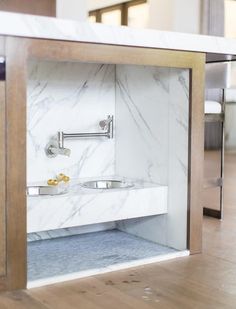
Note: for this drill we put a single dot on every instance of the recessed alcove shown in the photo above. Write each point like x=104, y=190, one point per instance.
x=89, y=231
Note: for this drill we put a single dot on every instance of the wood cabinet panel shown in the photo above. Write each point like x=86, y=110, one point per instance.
x=35, y=7
x=16, y=162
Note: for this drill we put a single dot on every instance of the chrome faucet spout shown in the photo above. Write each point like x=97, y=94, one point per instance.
x=55, y=147
x=56, y=143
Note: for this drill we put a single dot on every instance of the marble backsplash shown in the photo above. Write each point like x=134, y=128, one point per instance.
x=156, y=111
x=142, y=111
x=74, y=97
x=69, y=97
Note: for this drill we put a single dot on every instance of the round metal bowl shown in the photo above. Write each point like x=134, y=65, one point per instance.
x=46, y=190
x=106, y=184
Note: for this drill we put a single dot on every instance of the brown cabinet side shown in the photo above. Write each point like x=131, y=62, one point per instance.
x=12, y=166
x=34, y=7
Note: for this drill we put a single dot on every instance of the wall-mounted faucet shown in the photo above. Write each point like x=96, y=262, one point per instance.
x=54, y=148
x=105, y=125
x=56, y=143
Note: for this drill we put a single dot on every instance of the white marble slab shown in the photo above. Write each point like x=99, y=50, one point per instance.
x=52, y=28
x=70, y=231
x=69, y=97
x=142, y=95
x=176, y=223
x=157, y=114
x=89, y=206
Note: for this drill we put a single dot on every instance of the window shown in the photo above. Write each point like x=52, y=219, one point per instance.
x=230, y=20
x=92, y=18
x=133, y=13
x=138, y=15
x=112, y=16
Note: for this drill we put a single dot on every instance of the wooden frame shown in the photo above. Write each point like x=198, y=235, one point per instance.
x=33, y=7
x=123, y=7
x=18, y=51
x=13, y=197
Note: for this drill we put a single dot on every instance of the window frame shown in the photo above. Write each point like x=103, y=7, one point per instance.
x=123, y=7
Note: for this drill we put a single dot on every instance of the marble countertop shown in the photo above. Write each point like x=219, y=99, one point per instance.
x=82, y=206
x=76, y=187
x=52, y=28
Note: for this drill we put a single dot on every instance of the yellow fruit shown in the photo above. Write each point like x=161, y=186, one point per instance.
x=60, y=177
x=66, y=178
x=52, y=182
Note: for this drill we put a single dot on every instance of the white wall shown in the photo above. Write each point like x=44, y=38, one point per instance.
x=187, y=16
x=72, y=9
x=161, y=14
x=175, y=15
x=169, y=15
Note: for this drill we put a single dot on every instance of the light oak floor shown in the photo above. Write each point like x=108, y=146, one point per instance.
x=207, y=280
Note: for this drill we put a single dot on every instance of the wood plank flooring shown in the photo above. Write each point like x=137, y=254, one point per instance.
x=206, y=280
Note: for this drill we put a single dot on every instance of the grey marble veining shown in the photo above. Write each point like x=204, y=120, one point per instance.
x=176, y=223
x=50, y=258
x=70, y=231
x=159, y=151
x=82, y=206
x=69, y=97
x=142, y=109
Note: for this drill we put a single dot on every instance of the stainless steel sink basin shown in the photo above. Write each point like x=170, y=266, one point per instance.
x=46, y=190
x=106, y=184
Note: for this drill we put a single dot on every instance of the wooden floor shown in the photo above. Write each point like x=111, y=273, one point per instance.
x=201, y=281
